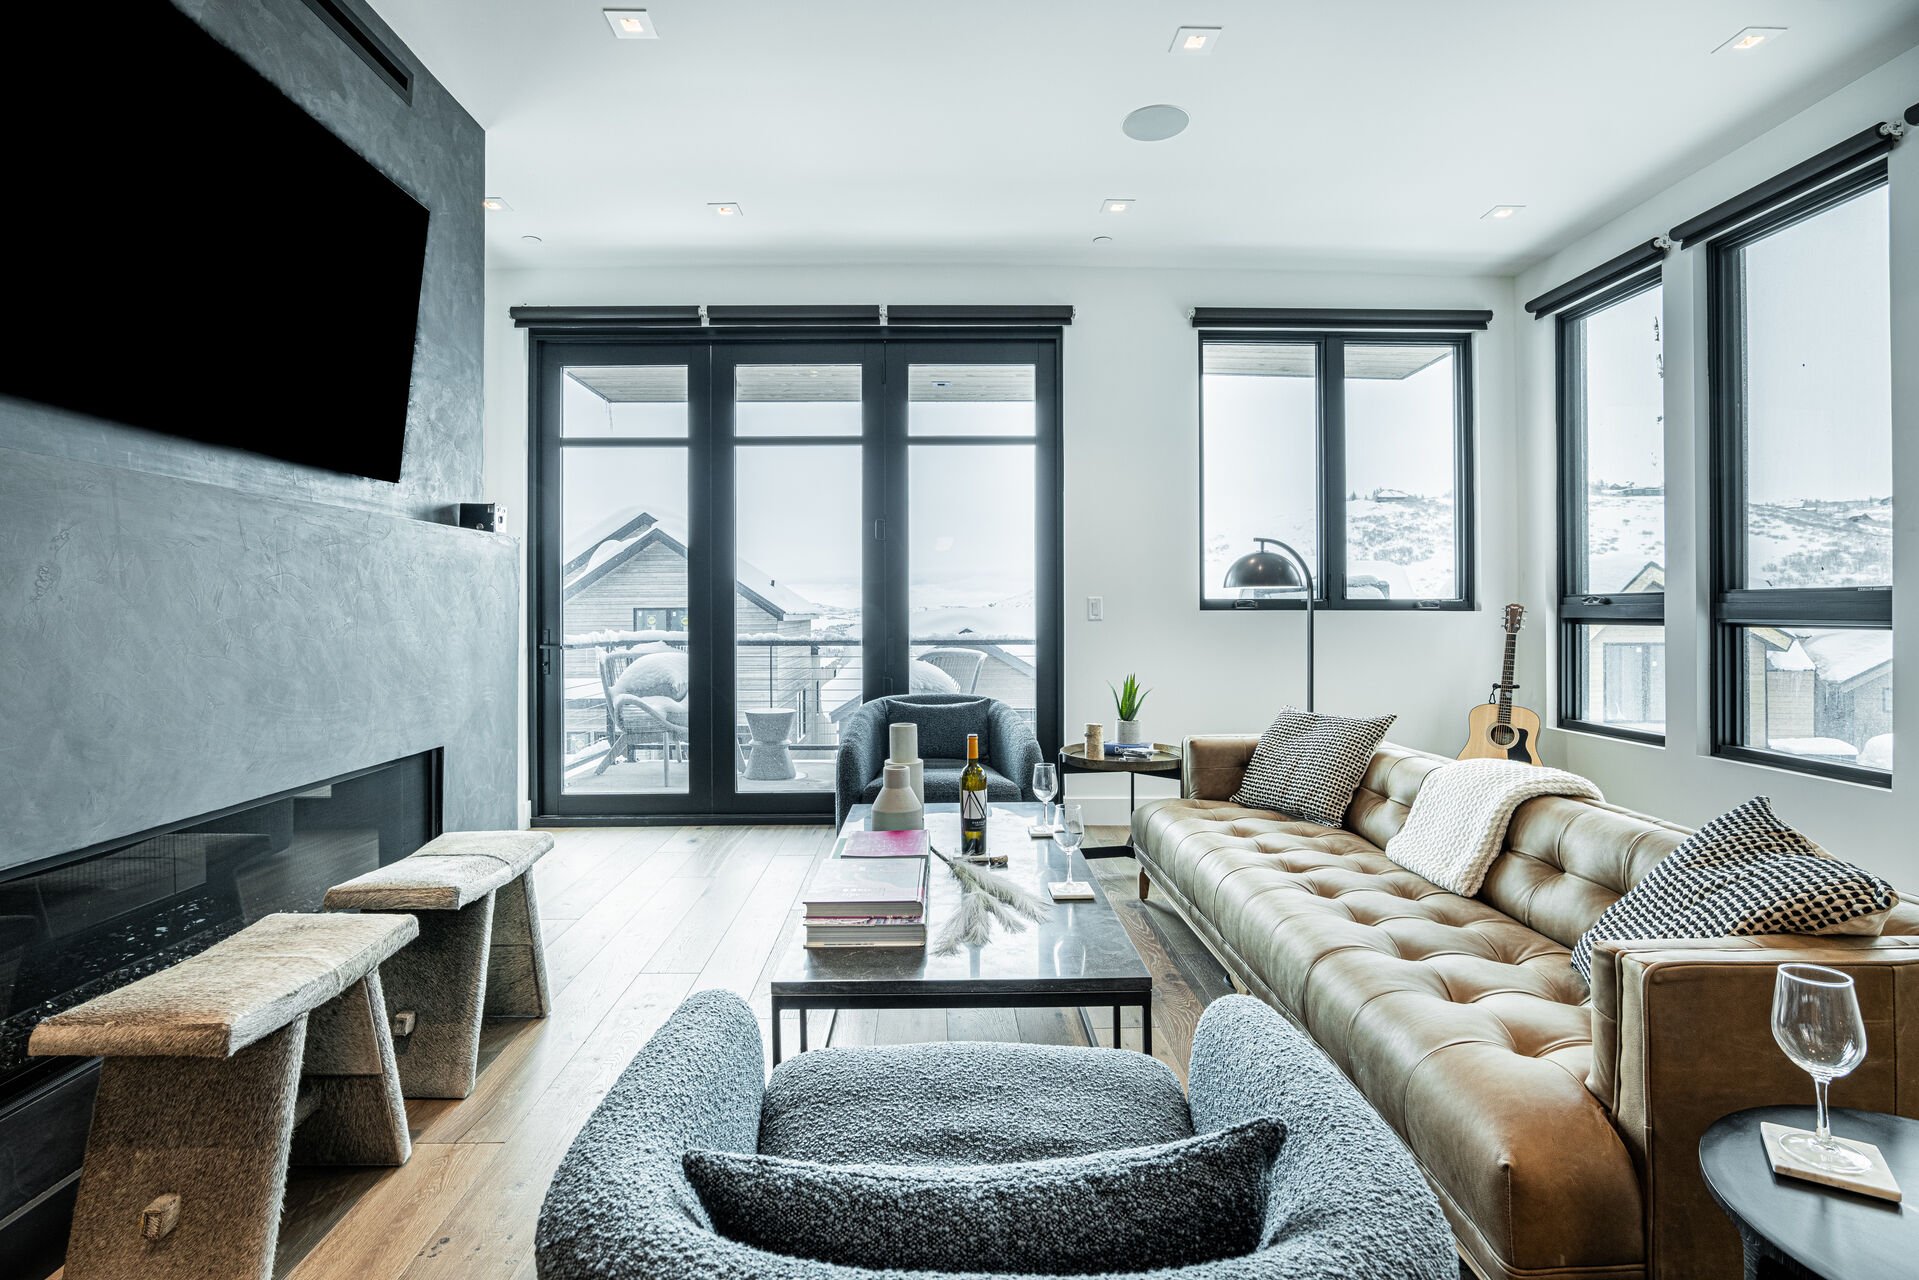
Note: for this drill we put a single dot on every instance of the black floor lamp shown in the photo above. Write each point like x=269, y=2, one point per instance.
x=1283, y=570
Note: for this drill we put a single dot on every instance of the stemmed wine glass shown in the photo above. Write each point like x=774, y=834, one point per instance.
x=1045, y=786
x=1071, y=834
x=1815, y=1019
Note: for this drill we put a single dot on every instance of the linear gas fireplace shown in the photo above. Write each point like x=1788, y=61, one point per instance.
x=76, y=925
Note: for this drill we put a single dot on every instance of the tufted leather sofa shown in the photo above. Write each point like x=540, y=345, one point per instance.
x=1559, y=1127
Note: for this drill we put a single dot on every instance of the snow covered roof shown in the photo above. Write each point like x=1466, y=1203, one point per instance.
x=612, y=541
x=1843, y=656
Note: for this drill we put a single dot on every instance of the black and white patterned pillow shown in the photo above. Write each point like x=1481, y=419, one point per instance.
x=1743, y=873
x=1309, y=765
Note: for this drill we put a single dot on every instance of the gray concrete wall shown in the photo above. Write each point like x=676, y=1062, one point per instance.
x=184, y=627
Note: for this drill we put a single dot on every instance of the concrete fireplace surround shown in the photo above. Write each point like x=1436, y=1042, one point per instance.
x=184, y=628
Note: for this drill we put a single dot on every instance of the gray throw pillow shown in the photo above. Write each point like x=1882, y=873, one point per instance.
x=1741, y=874
x=1196, y=1200
x=1309, y=765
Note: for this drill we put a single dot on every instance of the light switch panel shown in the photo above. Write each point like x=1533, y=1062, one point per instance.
x=1096, y=608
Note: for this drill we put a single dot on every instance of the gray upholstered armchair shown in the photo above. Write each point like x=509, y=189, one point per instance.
x=1008, y=750
x=1344, y=1201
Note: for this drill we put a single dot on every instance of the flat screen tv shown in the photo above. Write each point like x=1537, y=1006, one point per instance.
x=189, y=252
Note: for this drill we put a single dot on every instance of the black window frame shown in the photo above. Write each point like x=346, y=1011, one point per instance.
x=557, y=339
x=1735, y=608
x=1580, y=608
x=1330, y=574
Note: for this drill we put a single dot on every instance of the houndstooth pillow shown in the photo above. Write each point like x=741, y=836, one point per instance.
x=1310, y=765
x=1743, y=873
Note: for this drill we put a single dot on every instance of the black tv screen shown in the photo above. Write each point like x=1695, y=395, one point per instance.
x=189, y=252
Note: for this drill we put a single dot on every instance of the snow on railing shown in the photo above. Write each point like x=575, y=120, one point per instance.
x=627, y=639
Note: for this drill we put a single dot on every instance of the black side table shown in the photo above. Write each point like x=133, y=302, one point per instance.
x=1793, y=1229
x=1165, y=761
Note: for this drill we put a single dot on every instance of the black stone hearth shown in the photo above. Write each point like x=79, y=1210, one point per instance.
x=77, y=925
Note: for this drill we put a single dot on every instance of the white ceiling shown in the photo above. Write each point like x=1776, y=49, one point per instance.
x=1369, y=133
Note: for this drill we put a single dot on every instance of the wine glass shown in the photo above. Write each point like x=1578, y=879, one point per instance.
x=1045, y=786
x=1071, y=834
x=1815, y=1019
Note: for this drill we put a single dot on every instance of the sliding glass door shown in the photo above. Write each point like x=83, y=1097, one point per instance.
x=737, y=543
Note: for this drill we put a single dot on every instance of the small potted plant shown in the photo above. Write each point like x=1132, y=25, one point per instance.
x=1128, y=698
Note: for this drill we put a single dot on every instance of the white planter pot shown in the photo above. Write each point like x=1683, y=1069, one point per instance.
x=1129, y=731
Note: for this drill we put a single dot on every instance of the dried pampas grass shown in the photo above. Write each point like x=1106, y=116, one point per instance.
x=986, y=898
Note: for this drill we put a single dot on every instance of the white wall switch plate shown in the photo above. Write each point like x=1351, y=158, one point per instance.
x=1096, y=608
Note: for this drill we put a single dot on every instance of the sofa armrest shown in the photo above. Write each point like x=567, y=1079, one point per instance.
x=1015, y=749
x=863, y=748
x=1212, y=764
x=1682, y=1034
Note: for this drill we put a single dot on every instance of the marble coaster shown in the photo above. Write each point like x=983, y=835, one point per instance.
x=1038, y=832
x=1876, y=1181
x=1063, y=891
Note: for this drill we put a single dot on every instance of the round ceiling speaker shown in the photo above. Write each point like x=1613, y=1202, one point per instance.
x=1155, y=123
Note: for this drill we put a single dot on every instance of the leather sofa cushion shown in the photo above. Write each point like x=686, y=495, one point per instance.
x=1467, y=1030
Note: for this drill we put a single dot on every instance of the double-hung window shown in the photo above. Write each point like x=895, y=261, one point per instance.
x=1612, y=509
x=1353, y=448
x=1801, y=369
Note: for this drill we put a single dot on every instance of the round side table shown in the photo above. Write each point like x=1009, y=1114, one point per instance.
x=1164, y=762
x=1794, y=1229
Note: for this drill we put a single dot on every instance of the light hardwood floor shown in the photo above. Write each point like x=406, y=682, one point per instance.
x=635, y=919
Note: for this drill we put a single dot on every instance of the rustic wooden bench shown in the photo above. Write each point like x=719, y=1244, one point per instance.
x=269, y=1046
x=479, y=950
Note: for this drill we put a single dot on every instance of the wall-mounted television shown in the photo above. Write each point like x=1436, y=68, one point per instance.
x=189, y=252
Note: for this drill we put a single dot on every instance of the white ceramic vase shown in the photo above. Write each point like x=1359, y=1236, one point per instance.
x=896, y=808
x=1129, y=732
x=903, y=741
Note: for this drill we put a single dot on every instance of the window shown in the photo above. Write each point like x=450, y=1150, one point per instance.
x=1802, y=413
x=1354, y=449
x=1612, y=505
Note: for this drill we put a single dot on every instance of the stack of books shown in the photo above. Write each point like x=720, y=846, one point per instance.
x=871, y=892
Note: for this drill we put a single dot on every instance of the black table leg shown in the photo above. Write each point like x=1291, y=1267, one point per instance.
x=1117, y=1042
x=803, y=1030
x=778, y=1015
x=1146, y=1029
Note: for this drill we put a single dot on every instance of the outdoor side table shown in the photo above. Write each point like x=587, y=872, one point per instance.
x=769, y=761
x=1165, y=762
x=1795, y=1229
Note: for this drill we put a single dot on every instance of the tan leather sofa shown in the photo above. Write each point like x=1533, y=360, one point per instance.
x=1560, y=1130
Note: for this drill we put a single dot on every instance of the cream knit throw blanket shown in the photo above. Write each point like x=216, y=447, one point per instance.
x=1458, y=821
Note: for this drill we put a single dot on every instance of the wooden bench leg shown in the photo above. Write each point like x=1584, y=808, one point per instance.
x=213, y=1132
x=351, y=1082
x=516, y=961
x=1145, y=886
x=440, y=978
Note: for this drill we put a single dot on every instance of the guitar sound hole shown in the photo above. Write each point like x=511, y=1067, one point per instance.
x=1502, y=735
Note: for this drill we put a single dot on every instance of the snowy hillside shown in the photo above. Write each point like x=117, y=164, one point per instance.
x=1806, y=544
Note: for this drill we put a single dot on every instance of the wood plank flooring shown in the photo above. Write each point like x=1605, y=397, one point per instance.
x=635, y=919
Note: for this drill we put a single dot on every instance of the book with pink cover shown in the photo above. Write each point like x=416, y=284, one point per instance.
x=867, y=887
x=886, y=844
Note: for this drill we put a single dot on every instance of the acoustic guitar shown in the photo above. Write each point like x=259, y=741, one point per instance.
x=1497, y=730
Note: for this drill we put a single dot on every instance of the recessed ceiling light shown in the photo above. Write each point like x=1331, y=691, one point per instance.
x=727, y=210
x=494, y=204
x=1501, y=212
x=1751, y=38
x=1117, y=206
x=1194, y=40
x=631, y=24
x=1155, y=123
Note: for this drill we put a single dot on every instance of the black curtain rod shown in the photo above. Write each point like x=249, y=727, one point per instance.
x=1831, y=163
x=1335, y=318
x=1604, y=276
x=855, y=316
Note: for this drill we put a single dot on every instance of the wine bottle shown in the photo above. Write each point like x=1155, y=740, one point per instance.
x=973, y=803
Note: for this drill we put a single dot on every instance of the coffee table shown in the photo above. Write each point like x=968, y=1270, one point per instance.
x=1078, y=957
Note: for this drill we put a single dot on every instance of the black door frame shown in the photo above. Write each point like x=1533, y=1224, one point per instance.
x=710, y=356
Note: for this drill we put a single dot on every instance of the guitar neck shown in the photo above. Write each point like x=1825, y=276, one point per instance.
x=1506, y=680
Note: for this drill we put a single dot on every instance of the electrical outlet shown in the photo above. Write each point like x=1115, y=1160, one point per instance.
x=1096, y=608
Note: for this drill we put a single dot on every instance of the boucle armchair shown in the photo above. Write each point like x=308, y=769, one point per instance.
x=1345, y=1202
x=1008, y=748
